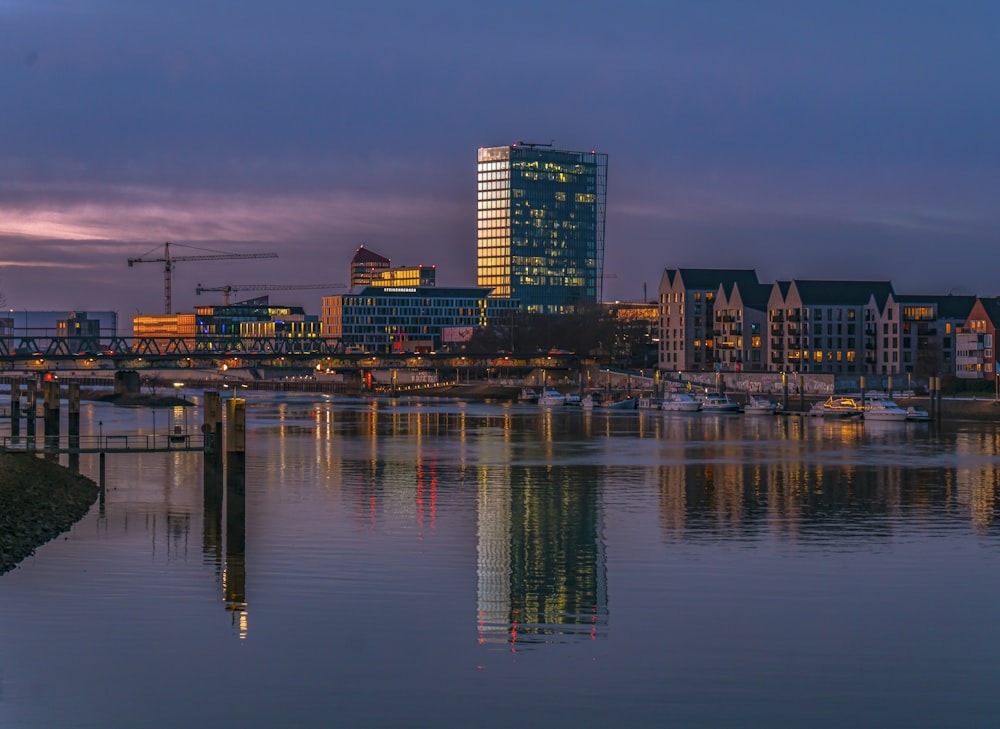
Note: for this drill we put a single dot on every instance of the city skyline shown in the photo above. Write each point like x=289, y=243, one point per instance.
x=845, y=143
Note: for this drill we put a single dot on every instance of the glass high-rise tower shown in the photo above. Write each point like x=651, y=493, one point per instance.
x=541, y=225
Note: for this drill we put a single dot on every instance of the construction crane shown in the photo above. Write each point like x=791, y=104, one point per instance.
x=226, y=290
x=168, y=265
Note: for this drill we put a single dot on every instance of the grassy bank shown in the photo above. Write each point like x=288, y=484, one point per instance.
x=39, y=500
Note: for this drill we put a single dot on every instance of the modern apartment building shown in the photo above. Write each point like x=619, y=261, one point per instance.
x=976, y=341
x=409, y=319
x=827, y=326
x=687, y=314
x=928, y=327
x=740, y=332
x=540, y=230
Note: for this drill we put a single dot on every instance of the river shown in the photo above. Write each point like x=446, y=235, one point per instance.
x=447, y=564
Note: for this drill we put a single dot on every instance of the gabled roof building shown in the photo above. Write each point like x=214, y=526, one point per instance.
x=687, y=314
x=825, y=326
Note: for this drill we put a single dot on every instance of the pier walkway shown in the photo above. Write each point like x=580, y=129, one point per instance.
x=117, y=443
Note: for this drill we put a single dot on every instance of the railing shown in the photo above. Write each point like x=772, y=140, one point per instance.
x=112, y=443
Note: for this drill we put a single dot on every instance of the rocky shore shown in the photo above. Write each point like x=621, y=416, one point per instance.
x=39, y=500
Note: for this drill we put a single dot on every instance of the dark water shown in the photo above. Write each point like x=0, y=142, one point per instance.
x=466, y=565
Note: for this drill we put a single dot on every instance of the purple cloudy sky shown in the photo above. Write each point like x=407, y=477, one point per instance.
x=834, y=140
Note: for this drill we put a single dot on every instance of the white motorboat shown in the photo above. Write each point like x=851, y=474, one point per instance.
x=714, y=402
x=883, y=409
x=527, y=395
x=760, y=406
x=918, y=415
x=550, y=397
x=574, y=400
x=680, y=402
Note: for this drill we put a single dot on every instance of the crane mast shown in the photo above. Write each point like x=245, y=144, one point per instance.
x=227, y=290
x=168, y=264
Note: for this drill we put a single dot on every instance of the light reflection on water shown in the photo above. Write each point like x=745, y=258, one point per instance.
x=626, y=568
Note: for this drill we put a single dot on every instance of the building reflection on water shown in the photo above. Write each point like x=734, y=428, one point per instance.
x=541, y=478
x=541, y=570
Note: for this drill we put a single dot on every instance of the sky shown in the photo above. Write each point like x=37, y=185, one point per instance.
x=836, y=140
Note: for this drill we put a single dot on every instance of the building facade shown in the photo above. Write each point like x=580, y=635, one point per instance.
x=408, y=319
x=366, y=266
x=406, y=276
x=687, y=314
x=826, y=326
x=928, y=328
x=740, y=331
x=540, y=228
x=976, y=354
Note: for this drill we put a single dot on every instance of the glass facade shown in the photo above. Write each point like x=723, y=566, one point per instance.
x=541, y=226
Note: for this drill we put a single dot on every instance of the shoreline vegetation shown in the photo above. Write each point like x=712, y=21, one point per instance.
x=39, y=500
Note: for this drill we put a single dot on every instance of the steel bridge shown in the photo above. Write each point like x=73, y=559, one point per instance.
x=81, y=352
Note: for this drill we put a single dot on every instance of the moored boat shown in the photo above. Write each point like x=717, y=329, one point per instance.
x=918, y=415
x=883, y=409
x=527, y=395
x=550, y=397
x=760, y=406
x=714, y=402
x=680, y=402
x=837, y=407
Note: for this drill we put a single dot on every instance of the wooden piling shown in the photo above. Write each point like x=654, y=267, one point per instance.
x=235, y=503
x=15, y=410
x=211, y=428
x=50, y=419
x=30, y=415
x=73, y=425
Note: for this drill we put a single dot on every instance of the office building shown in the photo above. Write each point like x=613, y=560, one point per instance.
x=409, y=319
x=366, y=266
x=540, y=229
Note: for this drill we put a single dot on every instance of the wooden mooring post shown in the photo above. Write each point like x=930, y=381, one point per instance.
x=15, y=410
x=236, y=498
x=30, y=415
x=73, y=425
x=51, y=420
x=211, y=428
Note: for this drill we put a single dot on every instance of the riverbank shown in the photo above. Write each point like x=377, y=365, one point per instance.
x=39, y=500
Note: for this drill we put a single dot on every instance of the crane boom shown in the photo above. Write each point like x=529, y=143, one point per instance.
x=226, y=290
x=168, y=264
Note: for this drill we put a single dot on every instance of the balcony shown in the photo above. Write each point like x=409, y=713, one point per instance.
x=777, y=317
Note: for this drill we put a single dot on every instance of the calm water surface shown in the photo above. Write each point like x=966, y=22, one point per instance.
x=444, y=564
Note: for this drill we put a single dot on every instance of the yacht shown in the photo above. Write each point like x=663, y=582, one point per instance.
x=550, y=397
x=680, y=402
x=883, y=409
x=760, y=406
x=714, y=402
x=837, y=407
